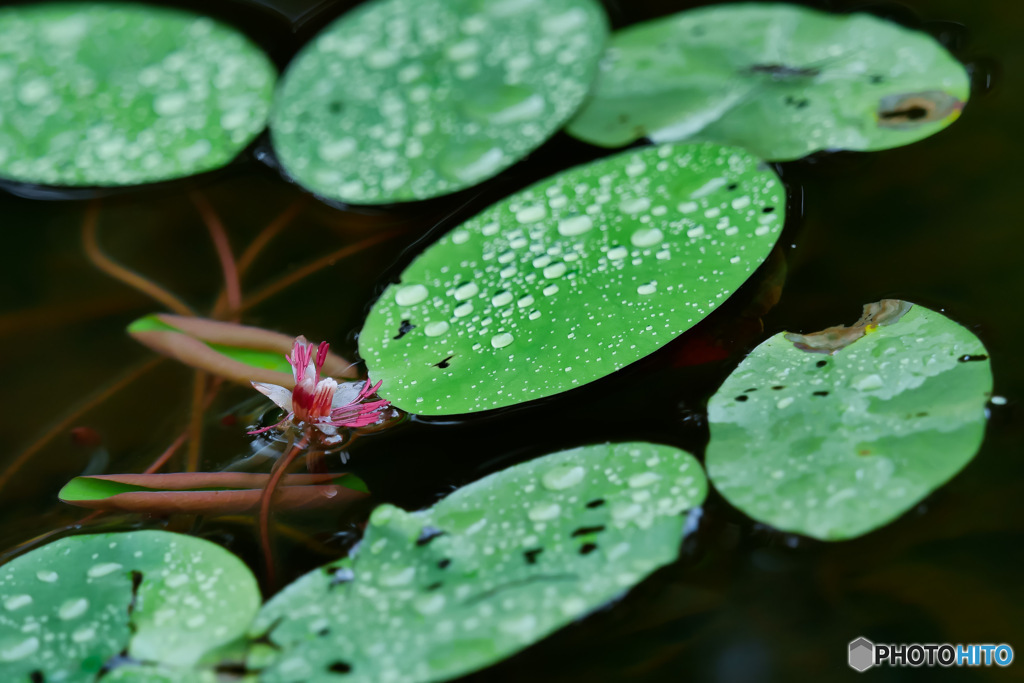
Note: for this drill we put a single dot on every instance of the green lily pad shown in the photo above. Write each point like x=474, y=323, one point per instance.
x=780, y=80
x=167, y=599
x=835, y=434
x=401, y=100
x=573, y=278
x=487, y=571
x=122, y=94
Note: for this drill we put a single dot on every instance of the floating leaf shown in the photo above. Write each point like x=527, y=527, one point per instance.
x=236, y=352
x=780, y=80
x=834, y=446
x=121, y=94
x=210, y=493
x=163, y=599
x=401, y=100
x=572, y=278
x=492, y=568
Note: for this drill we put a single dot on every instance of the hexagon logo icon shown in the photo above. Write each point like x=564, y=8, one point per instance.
x=862, y=654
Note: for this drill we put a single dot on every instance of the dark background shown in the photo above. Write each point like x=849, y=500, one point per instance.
x=936, y=223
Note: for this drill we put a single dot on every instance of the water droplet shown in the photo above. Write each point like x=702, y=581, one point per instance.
x=563, y=477
x=399, y=577
x=574, y=225
x=463, y=310
x=176, y=580
x=554, y=270
x=429, y=604
x=17, y=602
x=635, y=205
x=541, y=261
x=196, y=621
x=649, y=288
x=500, y=341
x=460, y=237
x=83, y=634
x=643, y=479
x=20, y=650
x=411, y=294
x=695, y=232
x=544, y=511
x=46, y=575
x=525, y=301
x=785, y=403
x=626, y=511
x=647, y=237
x=522, y=626
x=687, y=207
x=531, y=214
x=73, y=609
x=466, y=291
x=550, y=290
x=618, y=253
x=102, y=569
x=435, y=329
x=534, y=315
x=502, y=299
x=573, y=606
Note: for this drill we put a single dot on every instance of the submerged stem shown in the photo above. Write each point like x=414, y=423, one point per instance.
x=268, y=493
x=115, y=270
x=312, y=267
x=232, y=287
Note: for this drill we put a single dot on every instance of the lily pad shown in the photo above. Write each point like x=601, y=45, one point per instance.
x=835, y=434
x=164, y=599
x=780, y=80
x=492, y=568
x=573, y=278
x=401, y=100
x=122, y=94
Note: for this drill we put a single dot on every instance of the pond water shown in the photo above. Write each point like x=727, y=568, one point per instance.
x=935, y=223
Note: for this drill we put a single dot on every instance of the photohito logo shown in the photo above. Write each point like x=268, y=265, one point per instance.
x=864, y=654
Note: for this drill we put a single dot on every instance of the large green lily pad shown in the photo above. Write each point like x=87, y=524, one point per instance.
x=492, y=568
x=780, y=80
x=835, y=434
x=122, y=94
x=401, y=100
x=166, y=599
x=572, y=278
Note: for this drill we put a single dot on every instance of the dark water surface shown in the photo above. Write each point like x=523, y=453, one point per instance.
x=938, y=223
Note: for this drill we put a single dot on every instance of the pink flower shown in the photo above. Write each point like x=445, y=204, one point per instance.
x=321, y=402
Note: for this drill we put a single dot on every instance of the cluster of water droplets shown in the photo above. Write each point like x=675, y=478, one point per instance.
x=573, y=278
x=492, y=568
x=186, y=95
x=403, y=100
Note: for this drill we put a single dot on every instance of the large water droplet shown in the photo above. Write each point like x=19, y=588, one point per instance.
x=83, y=634
x=411, y=294
x=500, y=341
x=618, y=253
x=574, y=225
x=17, y=602
x=19, y=650
x=525, y=301
x=436, y=328
x=635, y=205
x=649, y=288
x=521, y=626
x=563, y=477
x=466, y=291
x=544, y=511
x=643, y=479
x=502, y=298
x=102, y=569
x=531, y=214
x=196, y=621
x=47, y=575
x=462, y=310
x=398, y=577
x=429, y=604
x=647, y=237
x=72, y=609
x=554, y=270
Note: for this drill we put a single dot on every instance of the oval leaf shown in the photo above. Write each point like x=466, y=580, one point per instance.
x=401, y=100
x=72, y=605
x=492, y=568
x=572, y=278
x=780, y=80
x=121, y=94
x=835, y=434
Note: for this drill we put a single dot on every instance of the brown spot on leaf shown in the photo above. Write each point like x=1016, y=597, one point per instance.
x=910, y=110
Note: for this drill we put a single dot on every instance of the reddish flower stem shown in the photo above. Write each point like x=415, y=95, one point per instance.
x=232, y=287
x=115, y=270
x=268, y=493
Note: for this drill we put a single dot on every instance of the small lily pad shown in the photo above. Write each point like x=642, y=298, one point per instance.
x=121, y=94
x=164, y=599
x=401, y=100
x=837, y=433
x=780, y=80
x=492, y=568
x=573, y=278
